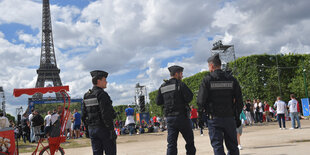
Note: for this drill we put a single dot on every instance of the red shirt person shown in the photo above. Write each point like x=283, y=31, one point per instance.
x=154, y=119
x=194, y=116
x=267, y=112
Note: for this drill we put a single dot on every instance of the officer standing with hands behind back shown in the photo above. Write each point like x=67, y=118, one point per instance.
x=175, y=96
x=98, y=115
x=220, y=96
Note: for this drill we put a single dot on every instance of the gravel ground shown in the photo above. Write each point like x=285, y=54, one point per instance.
x=261, y=139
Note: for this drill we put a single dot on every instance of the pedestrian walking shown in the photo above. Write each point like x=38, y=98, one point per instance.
x=281, y=108
x=248, y=112
x=292, y=104
x=239, y=130
x=194, y=116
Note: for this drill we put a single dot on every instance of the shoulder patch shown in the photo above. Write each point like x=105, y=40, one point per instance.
x=91, y=102
x=221, y=84
x=167, y=88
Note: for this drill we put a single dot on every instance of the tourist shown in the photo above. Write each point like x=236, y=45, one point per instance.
x=130, y=121
x=281, y=107
x=77, y=123
x=292, y=104
x=239, y=130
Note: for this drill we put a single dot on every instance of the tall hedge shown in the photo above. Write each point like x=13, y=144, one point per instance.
x=258, y=78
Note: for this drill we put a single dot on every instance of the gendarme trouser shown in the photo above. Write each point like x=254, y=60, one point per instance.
x=101, y=141
x=223, y=128
x=181, y=124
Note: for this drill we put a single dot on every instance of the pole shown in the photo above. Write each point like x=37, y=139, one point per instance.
x=305, y=78
x=278, y=75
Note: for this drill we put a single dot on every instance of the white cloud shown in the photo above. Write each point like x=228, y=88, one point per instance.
x=21, y=11
x=28, y=38
x=145, y=37
x=228, y=15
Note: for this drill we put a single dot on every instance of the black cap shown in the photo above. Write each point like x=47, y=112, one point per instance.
x=99, y=73
x=175, y=69
x=215, y=57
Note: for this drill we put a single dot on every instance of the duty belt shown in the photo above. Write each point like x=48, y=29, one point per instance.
x=174, y=113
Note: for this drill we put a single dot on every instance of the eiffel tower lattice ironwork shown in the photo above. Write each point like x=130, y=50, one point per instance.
x=48, y=70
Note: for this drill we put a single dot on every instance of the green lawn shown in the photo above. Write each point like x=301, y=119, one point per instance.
x=71, y=143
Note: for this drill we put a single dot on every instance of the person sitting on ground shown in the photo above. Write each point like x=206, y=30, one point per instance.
x=150, y=128
x=156, y=128
x=141, y=130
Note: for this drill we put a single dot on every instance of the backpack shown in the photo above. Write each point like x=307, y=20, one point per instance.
x=38, y=120
x=257, y=108
x=263, y=107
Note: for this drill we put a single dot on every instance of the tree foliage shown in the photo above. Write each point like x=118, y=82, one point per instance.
x=258, y=78
x=44, y=108
x=120, y=110
x=10, y=117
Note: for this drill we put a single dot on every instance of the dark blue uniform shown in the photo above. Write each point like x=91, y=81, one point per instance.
x=98, y=115
x=174, y=95
x=220, y=96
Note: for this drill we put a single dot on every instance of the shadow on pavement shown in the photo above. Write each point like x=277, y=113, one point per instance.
x=270, y=146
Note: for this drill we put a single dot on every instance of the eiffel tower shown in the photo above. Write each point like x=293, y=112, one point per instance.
x=48, y=70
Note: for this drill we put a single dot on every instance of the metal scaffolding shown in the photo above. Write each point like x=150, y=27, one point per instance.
x=226, y=52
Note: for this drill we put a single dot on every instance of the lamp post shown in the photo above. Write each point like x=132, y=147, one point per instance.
x=305, y=77
x=278, y=70
x=3, y=100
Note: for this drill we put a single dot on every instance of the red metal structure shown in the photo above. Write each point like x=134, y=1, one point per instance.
x=53, y=142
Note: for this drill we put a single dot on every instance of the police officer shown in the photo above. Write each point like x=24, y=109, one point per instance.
x=175, y=96
x=220, y=96
x=98, y=115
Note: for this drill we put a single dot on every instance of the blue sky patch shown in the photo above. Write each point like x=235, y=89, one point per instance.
x=78, y=3
x=11, y=31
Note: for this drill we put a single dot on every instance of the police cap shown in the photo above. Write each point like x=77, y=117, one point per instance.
x=99, y=73
x=215, y=59
x=175, y=69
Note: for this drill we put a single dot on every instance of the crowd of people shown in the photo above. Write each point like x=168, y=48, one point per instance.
x=259, y=112
x=252, y=113
x=33, y=124
x=131, y=126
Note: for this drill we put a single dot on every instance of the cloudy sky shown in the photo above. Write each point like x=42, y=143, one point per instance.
x=136, y=40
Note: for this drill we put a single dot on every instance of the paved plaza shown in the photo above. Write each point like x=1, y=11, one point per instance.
x=261, y=139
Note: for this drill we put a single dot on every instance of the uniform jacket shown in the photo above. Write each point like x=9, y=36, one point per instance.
x=220, y=95
x=175, y=96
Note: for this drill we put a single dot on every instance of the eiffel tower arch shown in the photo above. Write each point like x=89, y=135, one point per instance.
x=48, y=70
